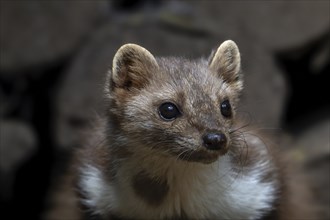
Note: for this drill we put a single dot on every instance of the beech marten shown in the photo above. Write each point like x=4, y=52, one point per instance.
x=170, y=145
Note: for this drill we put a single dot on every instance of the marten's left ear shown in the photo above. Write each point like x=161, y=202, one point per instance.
x=226, y=63
x=132, y=67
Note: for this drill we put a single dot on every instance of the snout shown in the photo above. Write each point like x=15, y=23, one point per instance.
x=213, y=145
x=214, y=141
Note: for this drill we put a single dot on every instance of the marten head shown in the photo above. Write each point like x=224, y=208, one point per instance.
x=173, y=106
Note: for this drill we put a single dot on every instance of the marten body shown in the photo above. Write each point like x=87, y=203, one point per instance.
x=170, y=145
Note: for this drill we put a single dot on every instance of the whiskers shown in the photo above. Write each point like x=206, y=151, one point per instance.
x=251, y=148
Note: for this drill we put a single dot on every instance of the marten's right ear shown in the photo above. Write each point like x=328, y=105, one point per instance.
x=226, y=63
x=132, y=67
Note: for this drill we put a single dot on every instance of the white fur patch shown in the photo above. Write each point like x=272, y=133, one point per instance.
x=96, y=190
x=198, y=190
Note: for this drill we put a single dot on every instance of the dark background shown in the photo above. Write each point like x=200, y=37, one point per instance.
x=54, y=55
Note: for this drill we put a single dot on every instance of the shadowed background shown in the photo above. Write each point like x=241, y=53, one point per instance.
x=54, y=56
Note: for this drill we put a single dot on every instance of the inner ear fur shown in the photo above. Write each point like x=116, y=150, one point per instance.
x=132, y=67
x=226, y=63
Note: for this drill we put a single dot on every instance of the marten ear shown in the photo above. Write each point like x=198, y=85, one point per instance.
x=132, y=67
x=226, y=63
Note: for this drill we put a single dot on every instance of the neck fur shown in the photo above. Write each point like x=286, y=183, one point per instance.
x=163, y=187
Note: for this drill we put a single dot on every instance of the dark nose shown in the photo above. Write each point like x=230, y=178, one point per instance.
x=214, y=141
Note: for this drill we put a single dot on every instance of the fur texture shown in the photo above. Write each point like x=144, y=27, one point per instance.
x=196, y=191
x=144, y=166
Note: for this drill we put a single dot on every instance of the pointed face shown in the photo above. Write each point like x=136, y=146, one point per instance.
x=173, y=106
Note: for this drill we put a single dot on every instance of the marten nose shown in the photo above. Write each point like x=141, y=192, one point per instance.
x=214, y=141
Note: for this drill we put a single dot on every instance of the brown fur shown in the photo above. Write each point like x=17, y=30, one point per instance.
x=131, y=126
x=152, y=190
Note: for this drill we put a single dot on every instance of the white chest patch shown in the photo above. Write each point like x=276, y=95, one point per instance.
x=195, y=190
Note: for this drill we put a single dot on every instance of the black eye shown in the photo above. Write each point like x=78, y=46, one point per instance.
x=168, y=111
x=226, y=109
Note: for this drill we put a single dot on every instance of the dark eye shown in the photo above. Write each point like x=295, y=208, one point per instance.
x=226, y=109
x=168, y=111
